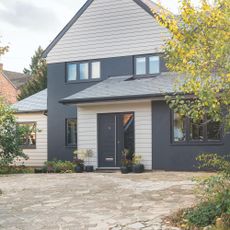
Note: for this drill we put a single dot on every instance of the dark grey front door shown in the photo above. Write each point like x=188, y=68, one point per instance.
x=115, y=133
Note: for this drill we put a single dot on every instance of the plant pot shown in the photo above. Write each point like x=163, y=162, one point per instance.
x=125, y=170
x=139, y=168
x=89, y=168
x=79, y=169
x=38, y=170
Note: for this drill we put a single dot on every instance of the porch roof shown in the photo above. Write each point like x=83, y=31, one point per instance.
x=126, y=87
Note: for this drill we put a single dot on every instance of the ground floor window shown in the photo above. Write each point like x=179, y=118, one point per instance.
x=71, y=132
x=185, y=130
x=29, y=139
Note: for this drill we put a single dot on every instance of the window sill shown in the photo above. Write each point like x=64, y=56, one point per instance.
x=28, y=147
x=213, y=143
x=82, y=81
x=71, y=146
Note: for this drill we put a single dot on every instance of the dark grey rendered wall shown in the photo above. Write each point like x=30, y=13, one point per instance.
x=176, y=157
x=58, y=89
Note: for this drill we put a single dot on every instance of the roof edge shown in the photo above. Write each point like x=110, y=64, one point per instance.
x=66, y=28
x=105, y=99
x=30, y=111
x=9, y=80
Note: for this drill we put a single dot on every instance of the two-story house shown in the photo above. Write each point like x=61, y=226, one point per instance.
x=106, y=85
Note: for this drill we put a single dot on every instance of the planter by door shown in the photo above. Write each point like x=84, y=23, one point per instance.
x=115, y=133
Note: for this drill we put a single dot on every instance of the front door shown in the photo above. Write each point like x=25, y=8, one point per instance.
x=115, y=133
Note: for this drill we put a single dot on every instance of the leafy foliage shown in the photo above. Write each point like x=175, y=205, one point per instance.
x=199, y=49
x=10, y=136
x=38, y=73
x=203, y=215
x=58, y=167
x=3, y=50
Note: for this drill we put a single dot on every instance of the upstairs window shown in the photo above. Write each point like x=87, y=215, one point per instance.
x=71, y=72
x=154, y=64
x=95, y=70
x=185, y=131
x=83, y=71
x=141, y=66
x=147, y=65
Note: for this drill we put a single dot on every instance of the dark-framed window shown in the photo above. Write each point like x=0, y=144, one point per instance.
x=147, y=65
x=29, y=140
x=71, y=132
x=185, y=131
x=83, y=71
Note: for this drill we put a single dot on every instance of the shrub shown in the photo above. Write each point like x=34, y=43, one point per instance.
x=11, y=136
x=15, y=169
x=203, y=215
x=58, y=167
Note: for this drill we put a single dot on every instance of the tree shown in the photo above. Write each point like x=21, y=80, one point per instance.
x=3, y=50
x=199, y=49
x=11, y=136
x=38, y=72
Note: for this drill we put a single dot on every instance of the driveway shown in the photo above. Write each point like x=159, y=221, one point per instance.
x=96, y=201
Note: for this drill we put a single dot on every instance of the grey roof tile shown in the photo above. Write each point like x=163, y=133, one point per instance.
x=17, y=79
x=34, y=103
x=126, y=86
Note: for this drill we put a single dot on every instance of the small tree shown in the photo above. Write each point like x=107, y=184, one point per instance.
x=199, y=49
x=3, y=49
x=11, y=136
x=38, y=72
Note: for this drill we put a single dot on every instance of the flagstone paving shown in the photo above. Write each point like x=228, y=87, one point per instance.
x=96, y=201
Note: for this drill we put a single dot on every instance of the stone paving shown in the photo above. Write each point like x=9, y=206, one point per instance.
x=96, y=201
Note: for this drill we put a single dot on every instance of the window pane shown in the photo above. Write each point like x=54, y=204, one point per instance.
x=84, y=71
x=72, y=132
x=29, y=139
x=96, y=70
x=140, y=65
x=179, y=128
x=213, y=131
x=154, y=64
x=71, y=72
x=196, y=132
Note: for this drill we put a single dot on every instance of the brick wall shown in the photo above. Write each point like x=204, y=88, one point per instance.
x=7, y=90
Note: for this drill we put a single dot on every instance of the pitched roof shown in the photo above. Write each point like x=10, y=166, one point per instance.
x=34, y=103
x=147, y=5
x=126, y=87
x=17, y=79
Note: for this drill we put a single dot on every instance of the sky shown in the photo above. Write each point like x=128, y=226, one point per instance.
x=27, y=24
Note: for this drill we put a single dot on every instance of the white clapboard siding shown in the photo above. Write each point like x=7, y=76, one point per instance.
x=87, y=127
x=109, y=29
x=37, y=156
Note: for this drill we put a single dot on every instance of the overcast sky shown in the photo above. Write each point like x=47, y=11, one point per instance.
x=26, y=24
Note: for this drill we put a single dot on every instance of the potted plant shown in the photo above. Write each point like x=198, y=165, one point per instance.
x=137, y=166
x=81, y=156
x=126, y=161
x=79, y=163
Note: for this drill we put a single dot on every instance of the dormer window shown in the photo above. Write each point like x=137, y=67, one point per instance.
x=147, y=65
x=83, y=71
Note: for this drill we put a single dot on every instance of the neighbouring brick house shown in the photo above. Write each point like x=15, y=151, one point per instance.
x=10, y=84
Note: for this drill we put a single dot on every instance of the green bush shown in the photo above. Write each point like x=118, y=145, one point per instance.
x=203, y=215
x=58, y=167
x=15, y=170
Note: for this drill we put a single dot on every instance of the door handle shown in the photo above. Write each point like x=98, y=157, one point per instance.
x=118, y=142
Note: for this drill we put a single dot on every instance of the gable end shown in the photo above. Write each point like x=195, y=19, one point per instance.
x=78, y=15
